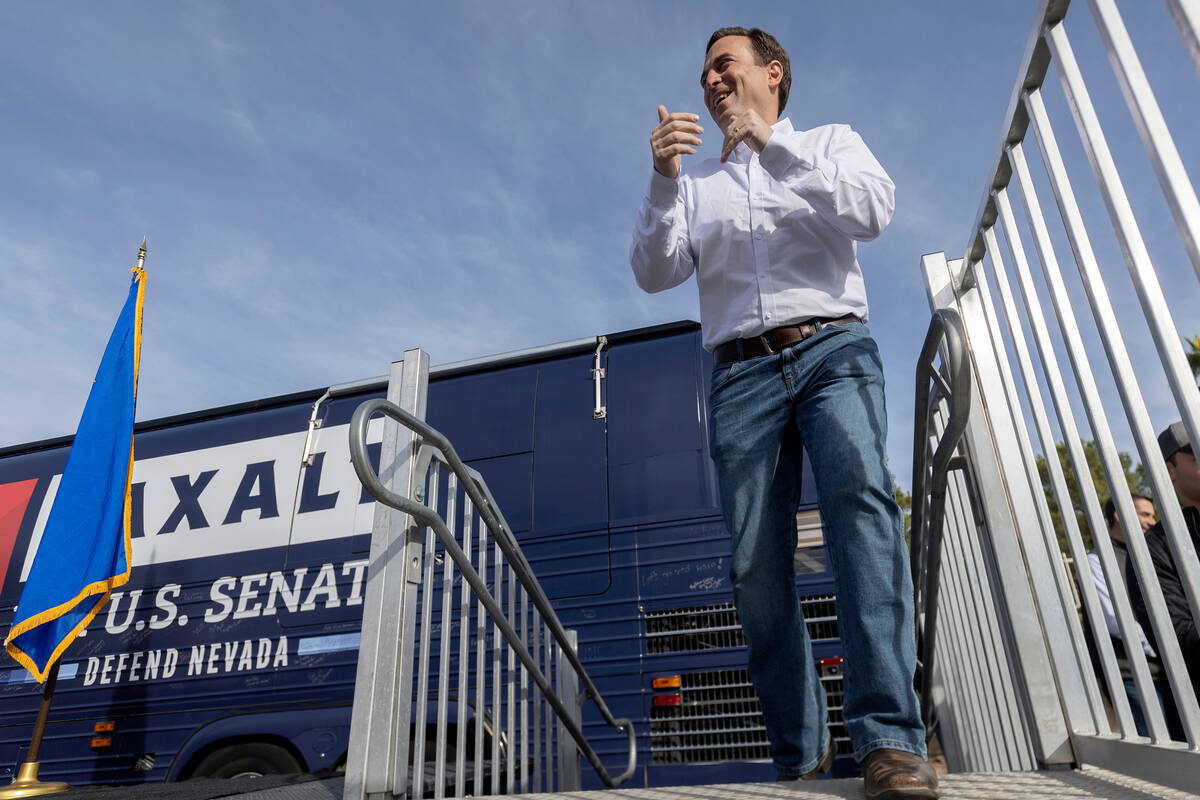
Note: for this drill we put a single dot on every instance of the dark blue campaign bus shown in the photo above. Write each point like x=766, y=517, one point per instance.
x=232, y=649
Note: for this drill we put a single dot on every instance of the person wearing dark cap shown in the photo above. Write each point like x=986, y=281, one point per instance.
x=1185, y=477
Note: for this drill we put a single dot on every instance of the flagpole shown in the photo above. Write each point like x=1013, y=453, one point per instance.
x=39, y=727
x=26, y=784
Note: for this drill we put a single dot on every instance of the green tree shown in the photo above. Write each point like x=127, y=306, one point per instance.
x=904, y=500
x=1135, y=477
x=1193, y=355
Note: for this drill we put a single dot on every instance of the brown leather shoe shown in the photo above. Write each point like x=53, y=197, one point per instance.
x=824, y=765
x=898, y=775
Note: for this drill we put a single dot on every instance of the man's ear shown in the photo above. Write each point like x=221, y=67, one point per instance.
x=774, y=74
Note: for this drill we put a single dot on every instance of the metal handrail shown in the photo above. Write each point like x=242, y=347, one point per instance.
x=930, y=475
x=476, y=488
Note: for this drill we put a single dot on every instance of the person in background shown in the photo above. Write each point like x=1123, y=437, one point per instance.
x=1177, y=451
x=1116, y=533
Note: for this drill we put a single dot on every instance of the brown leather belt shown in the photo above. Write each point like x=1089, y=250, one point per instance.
x=774, y=340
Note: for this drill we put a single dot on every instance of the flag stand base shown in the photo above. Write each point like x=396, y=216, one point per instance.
x=26, y=784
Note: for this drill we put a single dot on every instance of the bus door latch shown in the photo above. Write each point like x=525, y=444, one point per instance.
x=599, y=411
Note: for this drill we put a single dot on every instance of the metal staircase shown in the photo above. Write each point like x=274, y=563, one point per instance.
x=1015, y=688
x=467, y=681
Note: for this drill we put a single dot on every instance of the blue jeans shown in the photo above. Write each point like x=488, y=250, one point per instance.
x=1165, y=698
x=827, y=394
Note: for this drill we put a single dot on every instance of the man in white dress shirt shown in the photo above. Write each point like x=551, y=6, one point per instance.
x=770, y=231
x=1146, y=519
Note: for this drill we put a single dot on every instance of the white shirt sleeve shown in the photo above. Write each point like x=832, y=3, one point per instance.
x=1106, y=605
x=661, y=253
x=1110, y=616
x=841, y=180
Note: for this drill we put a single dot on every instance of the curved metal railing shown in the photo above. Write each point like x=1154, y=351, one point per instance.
x=931, y=468
x=437, y=447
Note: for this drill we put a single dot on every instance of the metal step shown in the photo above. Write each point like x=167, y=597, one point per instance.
x=1057, y=785
x=1082, y=784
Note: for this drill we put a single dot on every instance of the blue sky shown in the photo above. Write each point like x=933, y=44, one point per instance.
x=324, y=185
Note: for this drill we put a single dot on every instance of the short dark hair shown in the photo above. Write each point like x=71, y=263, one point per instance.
x=766, y=50
x=1110, y=508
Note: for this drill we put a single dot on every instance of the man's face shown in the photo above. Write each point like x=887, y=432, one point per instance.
x=1145, y=516
x=733, y=82
x=1185, y=474
x=1145, y=512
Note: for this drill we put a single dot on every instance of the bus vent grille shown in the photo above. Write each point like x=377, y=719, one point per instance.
x=686, y=630
x=718, y=719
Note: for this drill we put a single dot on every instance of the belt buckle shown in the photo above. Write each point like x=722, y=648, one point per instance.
x=762, y=337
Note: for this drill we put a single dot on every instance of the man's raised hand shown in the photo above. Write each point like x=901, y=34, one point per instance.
x=747, y=127
x=675, y=135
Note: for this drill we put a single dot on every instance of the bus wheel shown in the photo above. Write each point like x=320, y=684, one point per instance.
x=249, y=760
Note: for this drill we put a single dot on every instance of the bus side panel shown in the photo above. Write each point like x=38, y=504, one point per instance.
x=214, y=620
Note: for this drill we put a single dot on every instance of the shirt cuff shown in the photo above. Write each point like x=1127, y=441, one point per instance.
x=663, y=191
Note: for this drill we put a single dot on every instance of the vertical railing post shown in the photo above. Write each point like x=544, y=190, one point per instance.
x=1152, y=127
x=568, y=690
x=480, y=695
x=420, y=701
x=498, y=647
x=464, y=635
x=524, y=754
x=376, y=762
x=1186, y=14
x=511, y=685
x=443, y=690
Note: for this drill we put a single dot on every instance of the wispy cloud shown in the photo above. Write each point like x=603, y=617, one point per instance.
x=325, y=186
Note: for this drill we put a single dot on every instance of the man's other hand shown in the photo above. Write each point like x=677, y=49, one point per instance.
x=675, y=135
x=747, y=127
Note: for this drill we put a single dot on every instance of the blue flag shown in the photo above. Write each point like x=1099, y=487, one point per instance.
x=85, y=549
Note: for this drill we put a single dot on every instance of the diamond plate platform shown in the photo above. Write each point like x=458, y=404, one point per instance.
x=1086, y=784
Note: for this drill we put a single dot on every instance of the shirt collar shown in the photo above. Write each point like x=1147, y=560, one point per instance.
x=741, y=154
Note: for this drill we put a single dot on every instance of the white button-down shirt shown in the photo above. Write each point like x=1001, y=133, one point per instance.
x=1106, y=605
x=770, y=236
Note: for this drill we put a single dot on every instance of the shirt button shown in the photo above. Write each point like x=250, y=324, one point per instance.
x=758, y=236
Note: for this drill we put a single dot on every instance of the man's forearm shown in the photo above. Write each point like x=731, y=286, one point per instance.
x=661, y=254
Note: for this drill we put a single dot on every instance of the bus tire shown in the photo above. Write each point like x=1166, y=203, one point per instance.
x=247, y=760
